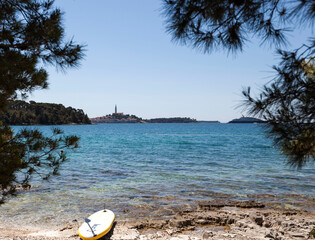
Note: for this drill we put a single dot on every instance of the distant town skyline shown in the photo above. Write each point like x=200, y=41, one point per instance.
x=131, y=61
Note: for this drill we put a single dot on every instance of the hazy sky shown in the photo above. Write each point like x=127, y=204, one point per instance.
x=132, y=62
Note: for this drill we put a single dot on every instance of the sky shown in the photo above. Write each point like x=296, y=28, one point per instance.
x=131, y=61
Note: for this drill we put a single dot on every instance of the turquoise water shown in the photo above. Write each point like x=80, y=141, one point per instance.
x=150, y=169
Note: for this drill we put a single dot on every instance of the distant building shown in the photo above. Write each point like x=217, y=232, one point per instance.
x=117, y=113
x=117, y=117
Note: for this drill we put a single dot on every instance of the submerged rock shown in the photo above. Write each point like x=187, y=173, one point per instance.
x=208, y=205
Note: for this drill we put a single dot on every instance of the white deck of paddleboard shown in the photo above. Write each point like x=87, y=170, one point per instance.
x=100, y=223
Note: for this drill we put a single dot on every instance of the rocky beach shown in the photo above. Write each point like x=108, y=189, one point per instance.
x=168, y=181
x=202, y=220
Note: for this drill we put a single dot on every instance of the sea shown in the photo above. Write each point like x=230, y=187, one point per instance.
x=156, y=170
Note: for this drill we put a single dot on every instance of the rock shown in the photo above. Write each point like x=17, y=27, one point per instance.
x=175, y=238
x=230, y=221
x=290, y=213
x=180, y=223
x=297, y=235
x=249, y=204
x=140, y=225
x=241, y=223
x=211, y=204
x=257, y=219
x=202, y=221
x=158, y=224
x=143, y=237
x=221, y=203
x=172, y=230
x=251, y=226
x=270, y=235
x=183, y=237
x=190, y=228
x=207, y=235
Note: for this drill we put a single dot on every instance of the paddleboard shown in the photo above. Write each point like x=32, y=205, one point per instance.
x=97, y=225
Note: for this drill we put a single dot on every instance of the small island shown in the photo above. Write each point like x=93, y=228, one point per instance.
x=246, y=120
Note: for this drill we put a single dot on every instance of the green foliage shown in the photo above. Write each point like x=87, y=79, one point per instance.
x=31, y=36
x=23, y=113
x=212, y=24
x=27, y=153
x=287, y=104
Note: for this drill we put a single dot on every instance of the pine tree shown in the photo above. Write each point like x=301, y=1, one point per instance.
x=287, y=104
x=31, y=36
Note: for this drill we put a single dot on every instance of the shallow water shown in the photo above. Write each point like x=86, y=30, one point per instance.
x=142, y=169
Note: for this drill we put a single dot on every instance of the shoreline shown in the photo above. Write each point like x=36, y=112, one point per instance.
x=204, y=220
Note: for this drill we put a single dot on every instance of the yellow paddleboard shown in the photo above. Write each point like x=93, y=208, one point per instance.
x=97, y=225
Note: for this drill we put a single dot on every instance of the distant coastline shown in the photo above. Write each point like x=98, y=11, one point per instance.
x=122, y=118
x=208, y=121
x=126, y=118
x=21, y=113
